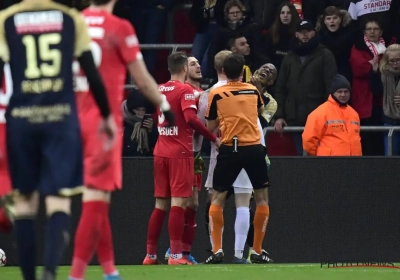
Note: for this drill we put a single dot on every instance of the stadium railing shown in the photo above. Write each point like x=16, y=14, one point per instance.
x=387, y=129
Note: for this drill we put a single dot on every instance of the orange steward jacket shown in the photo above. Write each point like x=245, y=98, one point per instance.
x=332, y=130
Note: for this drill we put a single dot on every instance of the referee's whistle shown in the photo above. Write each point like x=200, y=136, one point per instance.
x=235, y=143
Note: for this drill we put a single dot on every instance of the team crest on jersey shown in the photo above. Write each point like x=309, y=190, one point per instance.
x=131, y=41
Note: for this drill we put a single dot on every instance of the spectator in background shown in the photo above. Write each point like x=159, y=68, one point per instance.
x=366, y=97
x=140, y=133
x=236, y=22
x=363, y=10
x=149, y=18
x=335, y=32
x=238, y=44
x=278, y=38
x=205, y=15
x=390, y=72
x=333, y=129
x=263, y=11
x=303, y=81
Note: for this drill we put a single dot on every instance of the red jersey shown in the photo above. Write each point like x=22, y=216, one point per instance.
x=176, y=141
x=5, y=93
x=114, y=45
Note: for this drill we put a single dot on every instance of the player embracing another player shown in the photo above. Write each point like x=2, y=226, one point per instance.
x=115, y=48
x=174, y=162
x=193, y=79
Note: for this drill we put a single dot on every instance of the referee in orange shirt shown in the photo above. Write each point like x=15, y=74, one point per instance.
x=235, y=107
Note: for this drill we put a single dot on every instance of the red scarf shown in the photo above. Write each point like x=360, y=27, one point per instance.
x=371, y=46
x=298, y=4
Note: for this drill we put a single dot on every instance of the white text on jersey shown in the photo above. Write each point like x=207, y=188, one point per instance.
x=168, y=131
x=164, y=88
x=92, y=20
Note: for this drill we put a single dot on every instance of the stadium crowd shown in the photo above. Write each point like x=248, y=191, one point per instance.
x=347, y=37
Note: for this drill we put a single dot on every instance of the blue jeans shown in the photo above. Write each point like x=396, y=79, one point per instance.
x=149, y=25
x=395, y=142
x=201, y=44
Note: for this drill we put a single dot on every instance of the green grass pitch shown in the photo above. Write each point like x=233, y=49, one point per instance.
x=231, y=272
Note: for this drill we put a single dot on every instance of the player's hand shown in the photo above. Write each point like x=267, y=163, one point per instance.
x=199, y=164
x=169, y=116
x=108, y=128
x=279, y=125
x=256, y=82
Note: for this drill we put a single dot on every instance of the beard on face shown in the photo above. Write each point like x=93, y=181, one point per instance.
x=195, y=78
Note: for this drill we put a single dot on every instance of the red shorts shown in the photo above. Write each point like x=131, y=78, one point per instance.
x=5, y=185
x=102, y=170
x=173, y=177
x=198, y=181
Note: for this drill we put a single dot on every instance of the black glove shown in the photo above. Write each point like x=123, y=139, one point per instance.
x=169, y=116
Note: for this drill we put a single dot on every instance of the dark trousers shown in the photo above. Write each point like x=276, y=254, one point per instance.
x=373, y=142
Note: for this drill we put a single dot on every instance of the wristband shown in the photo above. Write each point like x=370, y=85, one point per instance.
x=164, y=106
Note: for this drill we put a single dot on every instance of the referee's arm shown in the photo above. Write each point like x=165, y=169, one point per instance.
x=211, y=113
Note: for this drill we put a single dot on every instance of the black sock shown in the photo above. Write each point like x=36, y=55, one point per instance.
x=250, y=234
x=57, y=238
x=207, y=217
x=26, y=243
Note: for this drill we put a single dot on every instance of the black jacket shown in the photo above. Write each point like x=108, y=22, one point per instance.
x=339, y=43
x=201, y=17
x=250, y=30
x=302, y=87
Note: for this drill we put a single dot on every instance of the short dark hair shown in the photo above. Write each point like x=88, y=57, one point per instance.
x=369, y=20
x=100, y=2
x=176, y=62
x=233, y=66
x=232, y=40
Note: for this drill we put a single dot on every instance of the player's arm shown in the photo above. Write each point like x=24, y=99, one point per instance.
x=4, y=52
x=260, y=103
x=211, y=114
x=129, y=49
x=188, y=104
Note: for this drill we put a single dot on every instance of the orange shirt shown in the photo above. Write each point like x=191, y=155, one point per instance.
x=236, y=105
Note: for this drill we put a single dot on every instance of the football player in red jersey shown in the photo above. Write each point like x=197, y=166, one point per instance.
x=173, y=162
x=115, y=49
x=193, y=79
x=5, y=182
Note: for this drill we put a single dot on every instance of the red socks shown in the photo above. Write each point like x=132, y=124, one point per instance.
x=176, y=225
x=105, y=248
x=190, y=230
x=154, y=231
x=87, y=236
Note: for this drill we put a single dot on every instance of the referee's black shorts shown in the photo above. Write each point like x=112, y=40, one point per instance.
x=229, y=164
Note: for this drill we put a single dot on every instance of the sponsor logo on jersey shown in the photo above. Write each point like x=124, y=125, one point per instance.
x=164, y=88
x=42, y=21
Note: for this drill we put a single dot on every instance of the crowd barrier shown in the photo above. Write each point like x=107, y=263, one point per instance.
x=322, y=209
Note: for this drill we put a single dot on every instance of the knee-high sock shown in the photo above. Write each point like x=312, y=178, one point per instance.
x=87, y=237
x=57, y=239
x=207, y=217
x=154, y=230
x=216, y=226
x=190, y=230
x=26, y=243
x=176, y=226
x=105, y=248
x=250, y=234
x=260, y=225
x=242, y=224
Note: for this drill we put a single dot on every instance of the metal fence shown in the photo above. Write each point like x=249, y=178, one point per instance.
x=388, y=129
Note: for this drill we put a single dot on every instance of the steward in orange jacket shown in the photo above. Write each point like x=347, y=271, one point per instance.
x=333, y=129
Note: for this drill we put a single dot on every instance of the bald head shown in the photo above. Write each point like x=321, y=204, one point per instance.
x=219, y=60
